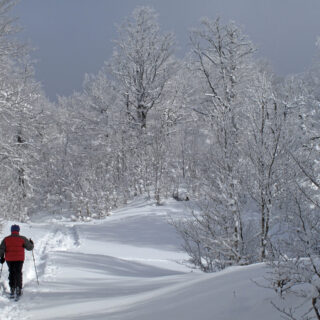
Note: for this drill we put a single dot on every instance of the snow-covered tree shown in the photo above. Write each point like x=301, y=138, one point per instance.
x=265, y=144
x=19, y=116
x=142, y=64
x=84, y=163
x=222, y=59
x=296, y=251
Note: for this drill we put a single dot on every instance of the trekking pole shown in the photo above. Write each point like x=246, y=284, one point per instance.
x=35, y=268
x=2, y=285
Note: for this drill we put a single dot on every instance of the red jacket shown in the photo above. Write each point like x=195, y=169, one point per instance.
x=13, y=247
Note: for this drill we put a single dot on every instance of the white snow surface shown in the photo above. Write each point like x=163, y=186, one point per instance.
x=129, y=266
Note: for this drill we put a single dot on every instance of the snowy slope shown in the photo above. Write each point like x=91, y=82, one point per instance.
x=129, y=266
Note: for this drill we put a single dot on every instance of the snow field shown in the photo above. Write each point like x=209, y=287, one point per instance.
x=129, y=266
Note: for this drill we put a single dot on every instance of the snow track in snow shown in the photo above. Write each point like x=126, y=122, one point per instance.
x=59, y=238
x=48, y=238
x=11, y=311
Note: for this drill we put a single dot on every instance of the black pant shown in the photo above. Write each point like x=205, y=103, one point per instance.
x=15, y=274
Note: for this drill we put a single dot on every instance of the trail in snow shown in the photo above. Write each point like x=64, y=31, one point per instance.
x=129, y=267
x=49, y=239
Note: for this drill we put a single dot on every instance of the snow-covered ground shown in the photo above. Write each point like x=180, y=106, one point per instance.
x=129, y=266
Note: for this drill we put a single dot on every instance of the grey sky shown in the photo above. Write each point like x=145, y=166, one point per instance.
x=74, y=37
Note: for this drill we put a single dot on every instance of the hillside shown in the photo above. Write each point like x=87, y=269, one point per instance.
x=129, y=266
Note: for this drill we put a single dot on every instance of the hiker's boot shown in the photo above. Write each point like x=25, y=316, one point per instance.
x=12, y=290
x=19, y=291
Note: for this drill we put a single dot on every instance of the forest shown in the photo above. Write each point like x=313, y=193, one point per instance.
x=218, y=129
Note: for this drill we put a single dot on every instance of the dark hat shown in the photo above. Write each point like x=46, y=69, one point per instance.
x=15, y=228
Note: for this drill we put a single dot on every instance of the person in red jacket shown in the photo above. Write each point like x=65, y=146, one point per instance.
x=12, y=250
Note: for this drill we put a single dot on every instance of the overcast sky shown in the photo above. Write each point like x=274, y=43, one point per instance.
x=74, y=37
